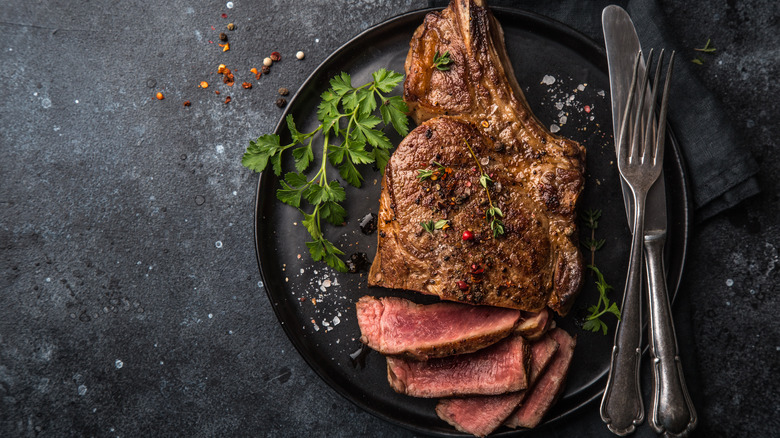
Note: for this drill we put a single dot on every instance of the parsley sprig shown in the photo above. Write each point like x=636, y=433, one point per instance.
x=346, y=113
x=442, y=62
x=493, y=214
x=593, y=322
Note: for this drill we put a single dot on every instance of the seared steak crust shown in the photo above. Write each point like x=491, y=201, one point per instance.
x=537, y=178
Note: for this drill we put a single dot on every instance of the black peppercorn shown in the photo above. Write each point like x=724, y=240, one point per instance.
x=222, y=36
x=266, y=69
x=281, y=102
x=283, y=91
x=231, y=26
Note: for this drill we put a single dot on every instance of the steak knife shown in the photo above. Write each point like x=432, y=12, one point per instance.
x=671, y=411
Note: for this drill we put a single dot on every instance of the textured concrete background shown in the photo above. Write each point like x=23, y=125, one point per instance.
x=129, y=301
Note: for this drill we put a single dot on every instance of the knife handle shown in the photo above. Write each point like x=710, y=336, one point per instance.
x=672, y=411
x=621, y=406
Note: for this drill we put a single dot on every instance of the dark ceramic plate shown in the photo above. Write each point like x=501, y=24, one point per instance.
x=315, y=304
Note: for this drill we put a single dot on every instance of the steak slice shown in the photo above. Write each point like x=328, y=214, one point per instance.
x=494, y=370
x=537, y=178
x=534, y=325
x=395, y=326
x=481, y=415
x=549, y=386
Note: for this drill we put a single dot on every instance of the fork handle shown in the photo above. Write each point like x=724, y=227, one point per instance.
x=672, y=411
x=621, y=407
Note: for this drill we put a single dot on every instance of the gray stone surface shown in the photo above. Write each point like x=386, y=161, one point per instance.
x=130, y=302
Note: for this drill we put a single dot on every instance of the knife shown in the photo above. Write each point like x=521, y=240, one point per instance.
x=671, y=411
x=621, y=406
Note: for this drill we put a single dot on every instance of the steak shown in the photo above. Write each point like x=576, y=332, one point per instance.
x=494, y=370
x=395, y=326
x=549, y=386
x=473, y=118
x=481, y=415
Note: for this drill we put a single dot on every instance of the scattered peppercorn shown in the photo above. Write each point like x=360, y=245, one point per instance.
x=246, y=85
x=462, y=285
x=187, y=103
x=266, y=69
x=231, y=26
x=467, y=235
x=276, y=56
x=300, y=55
x=223, y=36
x=267, y=62
x=281, y=102
x=160, y=96
x=227, y=100
x=283, y=91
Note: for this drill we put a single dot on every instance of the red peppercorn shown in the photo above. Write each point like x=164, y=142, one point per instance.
x=463, y=285
x=467, y=235
x=276, y=56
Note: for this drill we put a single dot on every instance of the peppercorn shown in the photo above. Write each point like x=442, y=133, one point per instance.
x=462, y=285
x=300, y=55
x=222, y=36
x=267, y=62
x=281, y=102
x=467, y=235
x=276, y=56
x=160, y=96
x=187, y=103
x=246, y=85
x=231, y=26
x=283, y=91
x=265, y=70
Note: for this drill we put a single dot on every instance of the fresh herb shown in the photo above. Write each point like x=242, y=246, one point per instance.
x=593, y=322
x=706, y=49
x=591, y=218
x=347, y=113
x=493, y=214
x=431, y=226
x=433, y=174
x=442, y=62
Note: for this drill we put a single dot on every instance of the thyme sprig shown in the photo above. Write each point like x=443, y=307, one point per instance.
x=442, y=62
x=431, y=226
x=493, y=214
x=706, y=49
x=423, y=174
x=591, y=218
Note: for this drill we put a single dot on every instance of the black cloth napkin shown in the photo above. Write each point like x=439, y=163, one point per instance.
x=721, y=168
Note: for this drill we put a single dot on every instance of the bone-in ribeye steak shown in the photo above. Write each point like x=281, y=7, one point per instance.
x=537, y=178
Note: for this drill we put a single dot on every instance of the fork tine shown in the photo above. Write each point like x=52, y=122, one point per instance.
x=637, y=135
x=659, y=142
x=649, y=150
x=624, y=133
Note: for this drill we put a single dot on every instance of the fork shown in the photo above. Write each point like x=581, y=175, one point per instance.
x=640, y=160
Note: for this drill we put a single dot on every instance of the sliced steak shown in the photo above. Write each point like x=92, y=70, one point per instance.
x=494, y=370
x=534, y=325
x=549, y=386
x=481, y=415
x=395, y=326
x=536, y=178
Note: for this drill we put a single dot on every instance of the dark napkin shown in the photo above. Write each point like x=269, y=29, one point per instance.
x=720, y=167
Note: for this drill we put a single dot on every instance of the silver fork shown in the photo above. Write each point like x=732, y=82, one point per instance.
x=640, y=160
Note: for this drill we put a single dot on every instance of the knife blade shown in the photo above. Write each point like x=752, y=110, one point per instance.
x=621, y=406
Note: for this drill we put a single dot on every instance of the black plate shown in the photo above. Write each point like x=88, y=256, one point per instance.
x=537, y=47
